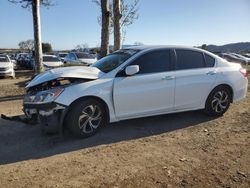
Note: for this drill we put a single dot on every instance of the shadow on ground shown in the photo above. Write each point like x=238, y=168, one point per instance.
x=23, y=142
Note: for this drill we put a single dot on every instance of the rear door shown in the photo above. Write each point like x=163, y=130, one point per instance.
x=151, y=91
x=195, y=75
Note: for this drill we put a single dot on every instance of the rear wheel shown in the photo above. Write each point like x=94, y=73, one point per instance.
x=86, y=117
x=218, y=101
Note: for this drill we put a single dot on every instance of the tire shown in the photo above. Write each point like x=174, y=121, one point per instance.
x=85, y=118
x=218, y=101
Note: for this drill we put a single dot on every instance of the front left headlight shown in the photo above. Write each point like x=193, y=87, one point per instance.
x=43, y=96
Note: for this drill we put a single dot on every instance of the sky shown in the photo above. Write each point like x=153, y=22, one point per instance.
x=160, y=22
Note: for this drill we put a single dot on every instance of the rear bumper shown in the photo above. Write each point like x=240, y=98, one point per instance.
x=241, y=92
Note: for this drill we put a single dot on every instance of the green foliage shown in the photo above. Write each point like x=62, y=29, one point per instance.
x=47, y=48
x=204, y=47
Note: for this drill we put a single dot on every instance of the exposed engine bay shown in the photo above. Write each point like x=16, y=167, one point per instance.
x=59, y=82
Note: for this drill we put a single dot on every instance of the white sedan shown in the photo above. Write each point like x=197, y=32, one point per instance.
x=51, y=61
x=80, y=58
x=132, y=83
x=6, y=66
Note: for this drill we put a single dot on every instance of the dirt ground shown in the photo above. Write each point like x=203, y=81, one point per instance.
x=177, y=150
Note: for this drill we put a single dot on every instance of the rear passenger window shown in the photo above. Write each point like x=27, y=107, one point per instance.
x=209, y=60
x=187, y=59
x=152, y=62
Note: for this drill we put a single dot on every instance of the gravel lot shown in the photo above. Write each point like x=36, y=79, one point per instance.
x=177, y=150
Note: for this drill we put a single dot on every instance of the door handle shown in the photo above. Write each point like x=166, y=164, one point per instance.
x=168, y=77
x=211, y=73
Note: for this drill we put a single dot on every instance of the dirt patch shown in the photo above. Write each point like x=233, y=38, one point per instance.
x=12, y=88
x=177, y=150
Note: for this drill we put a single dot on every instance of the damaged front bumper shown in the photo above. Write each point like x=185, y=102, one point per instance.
x=49, y=115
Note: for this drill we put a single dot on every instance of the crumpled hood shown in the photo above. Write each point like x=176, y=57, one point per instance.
x=66, y=72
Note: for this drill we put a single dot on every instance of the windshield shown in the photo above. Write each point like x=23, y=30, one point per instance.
x=114, y=60
x=85, y=56
x=4, y=59
x=50, y=58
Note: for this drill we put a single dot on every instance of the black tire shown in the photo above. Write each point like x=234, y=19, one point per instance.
x=218, y=101
x=82, y=111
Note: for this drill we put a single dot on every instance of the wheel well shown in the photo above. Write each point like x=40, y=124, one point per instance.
x=96, y=98
x=226, y=86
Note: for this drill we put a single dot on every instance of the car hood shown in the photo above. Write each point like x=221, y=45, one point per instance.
x=91, y=73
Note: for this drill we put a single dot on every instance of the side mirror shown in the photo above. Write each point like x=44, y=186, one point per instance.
x=132, y=70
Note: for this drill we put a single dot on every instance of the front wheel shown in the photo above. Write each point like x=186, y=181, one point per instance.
x=218, y=101
x=86, y=117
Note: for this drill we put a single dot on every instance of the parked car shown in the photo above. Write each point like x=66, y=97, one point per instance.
x=51, y=61
x=20, y=58
x=246, y=59
x=61, y=56
x=246, y=55
x=80, y=58
x=28, y=61
x=6, y=66
x=232, y=58
x=132, y=83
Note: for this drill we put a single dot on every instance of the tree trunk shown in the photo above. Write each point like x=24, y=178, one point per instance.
x=117, y=24
x=37, y=36
x=105, y=28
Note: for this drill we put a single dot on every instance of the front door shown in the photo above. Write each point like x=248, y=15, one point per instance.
x=149, y=92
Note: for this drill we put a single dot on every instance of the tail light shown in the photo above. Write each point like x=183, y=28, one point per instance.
x=243, y=72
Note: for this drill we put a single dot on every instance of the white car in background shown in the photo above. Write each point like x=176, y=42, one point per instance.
x=247, y=59
x=80, y=58
x=51, y=61
x=132, y=83
x=61, y=55
x=6, y=66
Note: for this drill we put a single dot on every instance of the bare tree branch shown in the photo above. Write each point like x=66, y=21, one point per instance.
x=28, y=3
x=129, y=12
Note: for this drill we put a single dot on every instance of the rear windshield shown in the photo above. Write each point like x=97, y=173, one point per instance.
x=50, y=58
x=85, y=56
x=4, y=59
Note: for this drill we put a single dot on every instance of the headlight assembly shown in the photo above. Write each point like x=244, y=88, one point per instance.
x=43, y=96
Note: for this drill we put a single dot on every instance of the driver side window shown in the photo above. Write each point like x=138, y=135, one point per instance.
x=154, y=61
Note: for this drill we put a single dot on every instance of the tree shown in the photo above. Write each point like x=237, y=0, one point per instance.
x=137, y=43
x=35, y=6
x=82, y=47
x=28, y=45
x=105, y=28
x=117, y=24
x=46, y=47
x=128, y=15
x=204, y=46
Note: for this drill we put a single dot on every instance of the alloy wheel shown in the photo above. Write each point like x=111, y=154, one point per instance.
x=220, y=101
x=90, y=118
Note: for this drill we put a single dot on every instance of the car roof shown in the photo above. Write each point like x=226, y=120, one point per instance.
x=146, y=47
x=152, y=47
